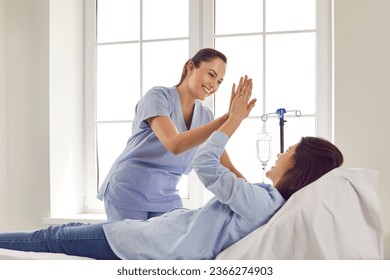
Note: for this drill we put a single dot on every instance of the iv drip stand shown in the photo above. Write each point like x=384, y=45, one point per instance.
x=281, y=112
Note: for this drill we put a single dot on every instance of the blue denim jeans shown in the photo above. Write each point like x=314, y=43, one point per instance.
x=85, y=240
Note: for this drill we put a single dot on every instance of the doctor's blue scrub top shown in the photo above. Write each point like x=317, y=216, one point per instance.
x=144, y=177
x=237, y=209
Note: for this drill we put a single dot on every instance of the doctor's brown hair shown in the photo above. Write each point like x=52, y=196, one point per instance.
x=203, y=55
x=313, y=158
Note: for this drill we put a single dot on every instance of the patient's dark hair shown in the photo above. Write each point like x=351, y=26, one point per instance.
x=313, y=158
x=203, y=55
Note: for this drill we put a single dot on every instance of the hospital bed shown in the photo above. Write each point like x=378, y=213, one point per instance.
x=335, y=217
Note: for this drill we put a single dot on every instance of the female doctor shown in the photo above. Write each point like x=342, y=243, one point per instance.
x=170, y=122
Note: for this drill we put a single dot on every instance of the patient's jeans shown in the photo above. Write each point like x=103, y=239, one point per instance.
x=86, y=240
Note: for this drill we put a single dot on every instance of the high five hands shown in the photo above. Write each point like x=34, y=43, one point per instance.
x=240, y=104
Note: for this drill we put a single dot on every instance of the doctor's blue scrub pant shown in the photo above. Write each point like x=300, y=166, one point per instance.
x=85, y=240
x=114, y=213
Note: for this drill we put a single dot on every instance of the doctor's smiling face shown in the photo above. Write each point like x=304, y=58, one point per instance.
x=203, y=73
x=205, y=80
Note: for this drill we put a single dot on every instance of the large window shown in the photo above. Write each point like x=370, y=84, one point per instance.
x=137, y=44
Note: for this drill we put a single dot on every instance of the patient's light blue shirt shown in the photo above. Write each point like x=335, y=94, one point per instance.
x=145, y=175
x=236, y=210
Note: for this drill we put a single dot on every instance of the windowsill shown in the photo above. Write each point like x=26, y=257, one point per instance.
x=83, y=218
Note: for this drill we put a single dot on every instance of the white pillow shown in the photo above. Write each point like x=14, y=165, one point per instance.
x=335, y=217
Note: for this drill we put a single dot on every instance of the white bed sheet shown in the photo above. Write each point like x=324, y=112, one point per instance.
x=335, y=217
x=6, y=254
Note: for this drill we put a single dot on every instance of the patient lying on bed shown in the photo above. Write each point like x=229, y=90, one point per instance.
x=237, y=209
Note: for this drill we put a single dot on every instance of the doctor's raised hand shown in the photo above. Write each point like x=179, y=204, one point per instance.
x=169, y=124
x=241, y=105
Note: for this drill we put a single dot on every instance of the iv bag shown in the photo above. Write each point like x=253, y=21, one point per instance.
x=263, y=145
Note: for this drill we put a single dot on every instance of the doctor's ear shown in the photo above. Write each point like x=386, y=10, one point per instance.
x=190, y=67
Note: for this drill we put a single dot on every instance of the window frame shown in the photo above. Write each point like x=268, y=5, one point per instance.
x=201, y=36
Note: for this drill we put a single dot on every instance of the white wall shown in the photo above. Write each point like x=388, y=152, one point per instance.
x=362, y=91
x=44, y=86
x=27, y=74
x=3, y=121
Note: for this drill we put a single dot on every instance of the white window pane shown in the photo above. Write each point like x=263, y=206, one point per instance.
x=287, y=15
x=118, y=20
x=242, y=150
x=118, y=81
x=247, y=61
x=297, y=127
x=290, y=80
x=111, y=141
x=182, y=186
x=165, y=19
x=163, y=63
x=232, y=16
